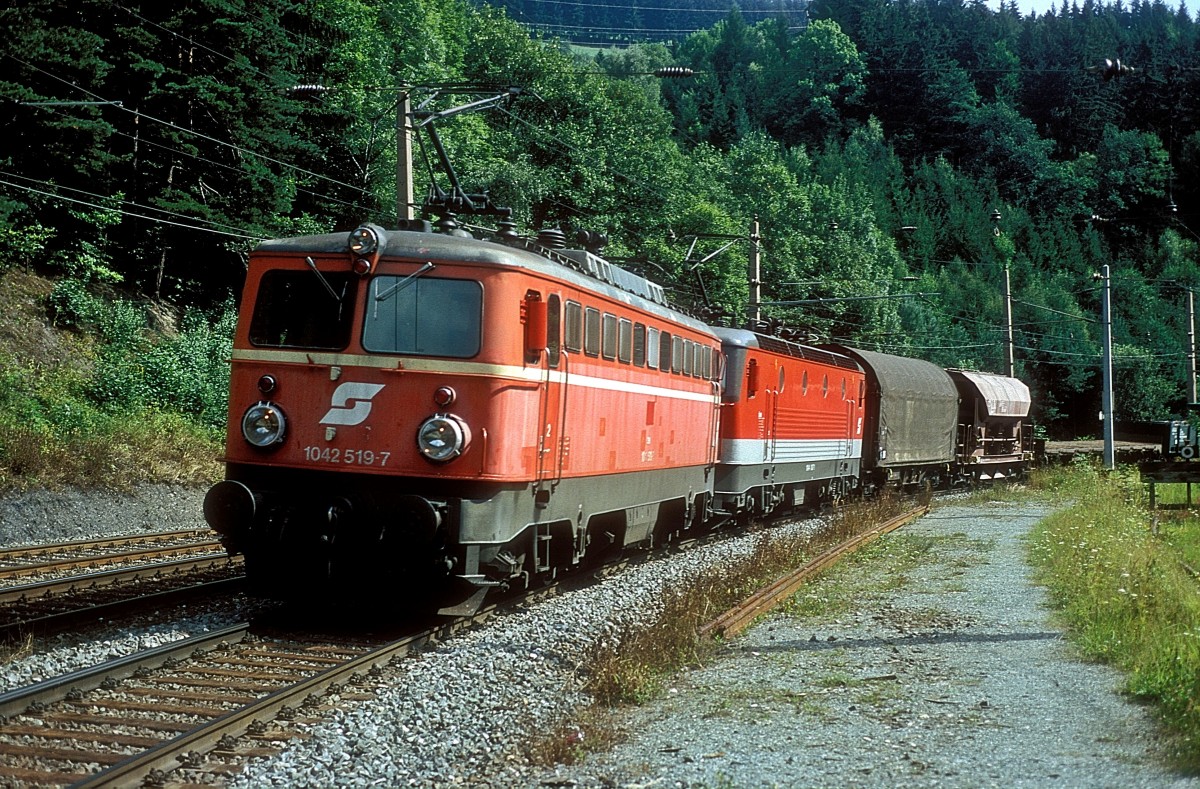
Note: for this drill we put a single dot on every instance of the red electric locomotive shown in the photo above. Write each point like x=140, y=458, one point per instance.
x=792, y=426
x=407, y=406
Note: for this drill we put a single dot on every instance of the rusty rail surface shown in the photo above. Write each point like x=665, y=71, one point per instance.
x=739, y=618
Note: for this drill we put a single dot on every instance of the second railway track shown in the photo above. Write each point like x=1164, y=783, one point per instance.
x=56, y=586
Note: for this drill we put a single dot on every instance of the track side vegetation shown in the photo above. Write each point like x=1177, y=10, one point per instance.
x=102, y=391
x=1131, y=598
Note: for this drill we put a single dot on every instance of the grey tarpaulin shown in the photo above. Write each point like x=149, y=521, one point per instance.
x=917, y=411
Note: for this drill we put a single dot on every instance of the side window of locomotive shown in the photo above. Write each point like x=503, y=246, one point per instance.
x=591, y=331
x=608, y=348
x=574, y=326
x=639, y=345
x=676, y=354
x=652, y=348
x=553, y=329
x=295, y=310
x=664, y=352
x=412, y=319
x=625, y=341
x=687, y=357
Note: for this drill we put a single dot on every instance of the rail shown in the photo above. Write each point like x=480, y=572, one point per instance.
x=739, y=617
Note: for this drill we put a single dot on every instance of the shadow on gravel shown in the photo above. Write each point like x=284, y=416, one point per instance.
x=816, y=645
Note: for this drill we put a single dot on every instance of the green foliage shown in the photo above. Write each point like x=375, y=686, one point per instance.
x=186, y=372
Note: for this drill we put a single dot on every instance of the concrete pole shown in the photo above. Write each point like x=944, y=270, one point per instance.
x=754, y=274
x=1106, y=400
x=404, y=175
x=1192, y=345
x=1008, y=324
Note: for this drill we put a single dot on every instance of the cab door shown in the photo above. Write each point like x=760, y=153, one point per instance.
x=554, y=362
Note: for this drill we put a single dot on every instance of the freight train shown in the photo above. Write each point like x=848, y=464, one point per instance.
x=411, y=408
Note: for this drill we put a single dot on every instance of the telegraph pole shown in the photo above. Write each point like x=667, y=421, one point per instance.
x=1008, y=324
x=1192, y=344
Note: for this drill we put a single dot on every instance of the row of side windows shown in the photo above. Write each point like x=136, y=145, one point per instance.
x=608, y=336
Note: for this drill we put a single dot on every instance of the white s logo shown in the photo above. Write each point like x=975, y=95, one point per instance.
x=360, y=395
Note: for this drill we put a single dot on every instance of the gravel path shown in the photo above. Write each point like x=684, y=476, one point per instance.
x=956, y=677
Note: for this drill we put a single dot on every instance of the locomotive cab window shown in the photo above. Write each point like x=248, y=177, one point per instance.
x=294, y=309
x=411, y=319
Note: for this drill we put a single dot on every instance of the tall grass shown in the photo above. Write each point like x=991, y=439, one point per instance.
x=1128, y=595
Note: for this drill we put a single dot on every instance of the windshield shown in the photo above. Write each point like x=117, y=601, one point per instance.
x=295, y=310
x=425, y=317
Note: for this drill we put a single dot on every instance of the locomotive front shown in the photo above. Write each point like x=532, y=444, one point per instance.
x=365, y=404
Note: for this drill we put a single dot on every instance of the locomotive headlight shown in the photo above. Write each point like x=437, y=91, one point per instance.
x=366, y=239
x=443, y=437
x=264, y=424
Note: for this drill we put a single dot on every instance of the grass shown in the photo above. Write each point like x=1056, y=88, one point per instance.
x=116, y=453
x=1129, y=597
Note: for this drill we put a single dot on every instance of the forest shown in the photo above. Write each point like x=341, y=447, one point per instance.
x=902, y=160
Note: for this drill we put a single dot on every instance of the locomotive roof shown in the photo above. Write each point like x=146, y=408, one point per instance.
x=1004, y=396
x=743, y=338
x=576, y=266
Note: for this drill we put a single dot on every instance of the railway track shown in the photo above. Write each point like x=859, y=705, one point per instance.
x=67, y=558
x=190, y=712
x=193, y=712
x=56, y=586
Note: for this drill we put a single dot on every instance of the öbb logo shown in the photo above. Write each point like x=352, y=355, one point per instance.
x=351, y=403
